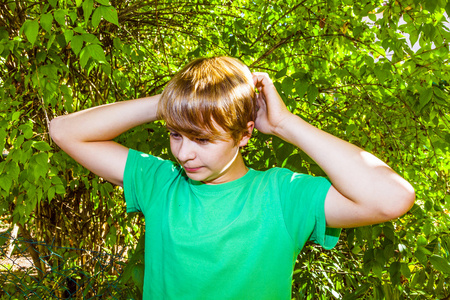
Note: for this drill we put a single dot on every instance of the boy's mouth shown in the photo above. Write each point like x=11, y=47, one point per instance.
x=191, y=170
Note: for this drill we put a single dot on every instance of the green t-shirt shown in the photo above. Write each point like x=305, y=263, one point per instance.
x=237, y=240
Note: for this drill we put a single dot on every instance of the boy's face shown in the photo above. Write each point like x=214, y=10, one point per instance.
x=211, y=162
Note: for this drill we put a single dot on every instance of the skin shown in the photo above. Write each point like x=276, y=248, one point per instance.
x=212, y=162
x=364, y=189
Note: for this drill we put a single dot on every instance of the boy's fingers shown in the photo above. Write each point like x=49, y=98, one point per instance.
x=261, y=79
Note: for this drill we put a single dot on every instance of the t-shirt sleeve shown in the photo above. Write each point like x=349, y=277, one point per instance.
x=303, y=205
x=143, y=178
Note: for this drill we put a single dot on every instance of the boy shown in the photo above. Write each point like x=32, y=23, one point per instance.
x=214, y=228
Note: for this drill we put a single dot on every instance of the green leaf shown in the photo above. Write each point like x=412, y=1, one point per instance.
x=59, y=189
x=394, y=272
x=78, y=2
x=60, y=16
x=96, y=17
x=422, y=241
x=111, y=237
x=138, y=276
x=88, y=6
x=126, y=274
x=76, y=43
x=425, y=98
x=281, y=73
x=301, y=87
x=12, y=5
x=440, y=94
x=51, y=39
x=313, y=92
x=68, y=35
x=73, y=16
x=96, y=52
x=421, y=254
x=103, y=2
x=42, y=160
x=441, y=264
x=84, y=57
x=287, y=85
x=46, y=22
x=51, y=193
x=42, y=146
x=27, y=130
x=413, y=37
x=68, y=100
x=405, y=270
x=5, y=182
x=31, y=30
x=109, y=13
x=441, y=3
x=90, y=38
x=380, y=73
x=16, y=115
x=377, y=269
x=430, y=5
x=117, y=43
x=56, y=180
x=3, y=240
x=53, y=2
x=106, y=68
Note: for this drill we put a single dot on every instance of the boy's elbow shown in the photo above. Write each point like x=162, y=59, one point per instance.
x=402, y=202
x=55, y=130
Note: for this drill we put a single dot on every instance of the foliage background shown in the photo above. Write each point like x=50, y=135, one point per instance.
x=347, y=67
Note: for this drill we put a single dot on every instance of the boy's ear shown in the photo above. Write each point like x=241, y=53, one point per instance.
x=247, y=135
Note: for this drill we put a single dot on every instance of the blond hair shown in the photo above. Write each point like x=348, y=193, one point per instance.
x=208, y=92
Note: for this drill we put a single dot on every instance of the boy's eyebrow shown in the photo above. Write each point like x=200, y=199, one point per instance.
x=208, y=137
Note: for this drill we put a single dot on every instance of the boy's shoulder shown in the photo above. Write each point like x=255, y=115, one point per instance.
x=146, y=164
x=286, y=177
x=283, y=173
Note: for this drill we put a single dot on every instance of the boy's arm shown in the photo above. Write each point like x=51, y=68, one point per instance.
x=87, y=135
x=364, y=189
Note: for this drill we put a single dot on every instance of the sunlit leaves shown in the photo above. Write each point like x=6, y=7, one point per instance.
x=425, y=97
x=46, y=22
x=313, y=92
x=109, y=13
x=31, y=30
x=41, y=145
x=94, y=51
x=88, y=6
x=60, y=16
x=77, y=43
x=440, y=263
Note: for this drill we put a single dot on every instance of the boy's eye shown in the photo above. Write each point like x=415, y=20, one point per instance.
x=174, y=135
x=202, y=141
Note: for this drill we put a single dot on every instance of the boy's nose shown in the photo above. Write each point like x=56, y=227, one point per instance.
x=186, y=151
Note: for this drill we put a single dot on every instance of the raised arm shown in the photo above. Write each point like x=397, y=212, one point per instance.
x=364, y=189
x=87, y=135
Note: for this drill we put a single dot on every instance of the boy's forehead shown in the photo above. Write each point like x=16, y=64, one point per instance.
x=202, y=132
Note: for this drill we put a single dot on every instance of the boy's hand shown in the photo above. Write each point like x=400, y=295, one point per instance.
x=272, y=112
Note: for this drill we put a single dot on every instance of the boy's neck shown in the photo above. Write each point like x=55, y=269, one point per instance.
x=234, y=171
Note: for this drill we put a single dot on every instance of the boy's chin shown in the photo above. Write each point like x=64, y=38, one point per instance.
x=197, y=176
x=202, y=178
